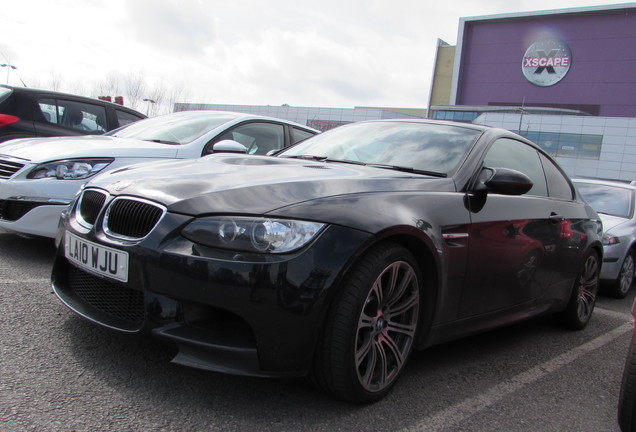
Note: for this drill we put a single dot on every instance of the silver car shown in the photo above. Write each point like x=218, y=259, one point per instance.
x=614, y=202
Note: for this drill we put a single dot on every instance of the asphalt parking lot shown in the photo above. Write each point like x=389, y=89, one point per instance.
x=59, y=373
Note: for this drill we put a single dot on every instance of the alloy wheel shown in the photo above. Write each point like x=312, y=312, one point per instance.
x=626, y=277
x=387, y=326
x=588, y=287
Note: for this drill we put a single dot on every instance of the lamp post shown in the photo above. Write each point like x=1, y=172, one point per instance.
x=9, y=67
x=150, y=101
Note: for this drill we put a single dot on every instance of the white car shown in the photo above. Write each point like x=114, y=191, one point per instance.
x=40, y=176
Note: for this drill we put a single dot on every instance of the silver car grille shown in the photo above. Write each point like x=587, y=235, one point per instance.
x=9, y=166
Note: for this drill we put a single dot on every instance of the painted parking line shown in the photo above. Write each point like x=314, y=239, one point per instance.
x=458, y=413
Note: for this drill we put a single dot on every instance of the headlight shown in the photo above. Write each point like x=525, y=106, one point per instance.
x=247, y=234
x=610, y=240
x=71, y=169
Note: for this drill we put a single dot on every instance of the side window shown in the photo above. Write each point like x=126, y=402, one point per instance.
x=558, y=185
x=259, y=138
x=82, y=117
x=124, y=118
x=508, y=153
x=48, y=108
x=299, y=135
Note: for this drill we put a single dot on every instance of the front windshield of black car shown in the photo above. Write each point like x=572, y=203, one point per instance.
x=180, y=128
x=425, y=147
x=607, y=199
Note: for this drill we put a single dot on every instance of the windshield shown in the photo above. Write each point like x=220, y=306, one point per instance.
x=416, y=146
x=611, y=200
x=177, y=128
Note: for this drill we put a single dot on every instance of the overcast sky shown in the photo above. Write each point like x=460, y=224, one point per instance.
x=326, y=53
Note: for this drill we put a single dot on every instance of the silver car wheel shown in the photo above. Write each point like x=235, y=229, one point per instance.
x=626, y=277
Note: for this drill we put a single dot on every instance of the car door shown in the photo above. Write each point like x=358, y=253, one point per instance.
x=68, y=117
x=512, y=239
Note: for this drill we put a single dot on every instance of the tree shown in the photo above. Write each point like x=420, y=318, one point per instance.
x=135, y=89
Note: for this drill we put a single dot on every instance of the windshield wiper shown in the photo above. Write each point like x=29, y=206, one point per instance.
x=374, y=165
x=163, y=141
x=325, y=159
x=408, y=169
x=307, y=156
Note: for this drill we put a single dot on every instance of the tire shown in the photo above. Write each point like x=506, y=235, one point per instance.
x=584, y=293
x=620, y=288
x=371, y=327
x=627, y=397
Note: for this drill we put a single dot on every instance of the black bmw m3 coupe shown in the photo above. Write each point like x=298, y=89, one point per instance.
x=335, y=258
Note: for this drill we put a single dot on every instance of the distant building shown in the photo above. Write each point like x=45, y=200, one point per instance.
x=579, y=59
x=565, y=79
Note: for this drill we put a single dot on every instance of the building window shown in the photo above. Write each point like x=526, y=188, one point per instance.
x=578, y=146
x=458, y=116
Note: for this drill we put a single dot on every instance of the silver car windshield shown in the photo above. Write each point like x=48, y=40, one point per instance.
x=181, y=128
x=421, y=147
x=611, y=200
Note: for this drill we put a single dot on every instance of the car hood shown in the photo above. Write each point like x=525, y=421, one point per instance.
x=46, y=149
x=611, y=222
x=254, y=184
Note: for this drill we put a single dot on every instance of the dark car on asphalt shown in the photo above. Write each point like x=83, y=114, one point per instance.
x=337, y=257
x=27, y=112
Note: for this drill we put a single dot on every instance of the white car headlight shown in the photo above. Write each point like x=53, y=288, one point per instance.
x=260, y=235
x=70, y=169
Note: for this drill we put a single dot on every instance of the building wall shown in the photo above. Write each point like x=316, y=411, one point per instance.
x=442, y=81
x=602, y=76
x=603, y=147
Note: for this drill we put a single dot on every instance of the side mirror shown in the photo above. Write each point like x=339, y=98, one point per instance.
x=504, y=181
x=229, y=146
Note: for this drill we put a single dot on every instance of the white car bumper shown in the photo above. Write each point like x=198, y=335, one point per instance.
x=34, y=206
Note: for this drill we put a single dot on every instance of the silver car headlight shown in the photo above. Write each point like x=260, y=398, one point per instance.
x=260, y=235
x=70, y=169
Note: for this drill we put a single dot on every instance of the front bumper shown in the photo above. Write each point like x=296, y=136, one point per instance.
x=613, y=257
x=32, y=216
x=34, y=206
x=245, y=314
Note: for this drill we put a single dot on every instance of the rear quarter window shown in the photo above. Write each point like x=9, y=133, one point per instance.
x=5, y=93
x=125, y=118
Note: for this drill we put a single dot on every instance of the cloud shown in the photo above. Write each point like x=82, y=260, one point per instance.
x=327, y=53
x=176, y=27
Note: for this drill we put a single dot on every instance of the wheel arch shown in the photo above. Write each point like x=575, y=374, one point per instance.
x=423, y=250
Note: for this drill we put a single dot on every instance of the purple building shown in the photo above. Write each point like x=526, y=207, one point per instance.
x=576, y=59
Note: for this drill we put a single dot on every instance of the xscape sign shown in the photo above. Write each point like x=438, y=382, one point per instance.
x=546, y=62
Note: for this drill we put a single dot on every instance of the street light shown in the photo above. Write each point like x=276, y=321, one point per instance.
x=9, y=67
x=150, y=101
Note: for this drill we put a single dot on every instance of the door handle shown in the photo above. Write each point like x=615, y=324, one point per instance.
x=555, y=218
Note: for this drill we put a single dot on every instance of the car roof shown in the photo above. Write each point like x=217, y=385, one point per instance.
x=243, y=116
x=31, y=90
x=435, y=122
x=617, y=183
